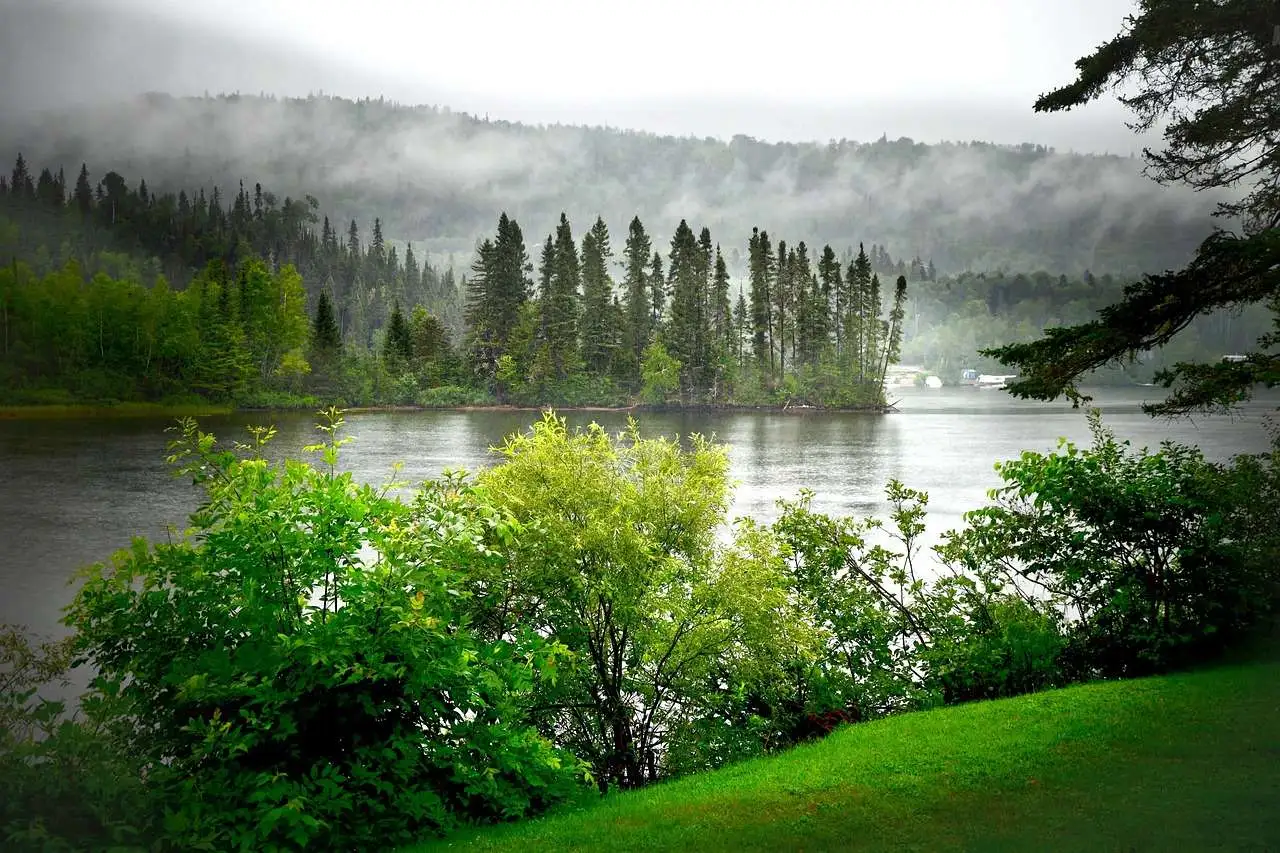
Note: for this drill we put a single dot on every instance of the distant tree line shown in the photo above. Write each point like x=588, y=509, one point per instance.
x=384, y=329
x=533, y=329
x=580, y=323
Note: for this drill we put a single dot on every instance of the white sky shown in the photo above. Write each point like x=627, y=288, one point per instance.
x=805, y=69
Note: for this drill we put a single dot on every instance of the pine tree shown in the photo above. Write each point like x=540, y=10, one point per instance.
x=326, y=337
x=741, y=320
x=762, y=265
x=560, y=317
x=684, y=271
x=893, y=329
x=21, y=186
x=637, y=304
x=876, y=327
x=834, y=296
x=722, y=312
x=782, y=305
x=657, y=290
x=856, y=327
x=397, y=346
x=377, y=258
x=597, y=297
x=412, y=277
x=48, y=192
x=83, y=194
x=479, y=308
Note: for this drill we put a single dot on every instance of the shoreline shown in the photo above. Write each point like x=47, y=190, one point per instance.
x=73, y=411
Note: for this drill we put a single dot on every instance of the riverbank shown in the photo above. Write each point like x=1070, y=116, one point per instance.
x=114, y=410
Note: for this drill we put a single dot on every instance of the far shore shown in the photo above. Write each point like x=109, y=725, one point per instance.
x=71, y=411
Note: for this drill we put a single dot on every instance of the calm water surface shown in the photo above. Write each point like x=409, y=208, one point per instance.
x=71, y=492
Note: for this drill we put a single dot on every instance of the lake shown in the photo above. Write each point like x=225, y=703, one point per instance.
x=72, y=492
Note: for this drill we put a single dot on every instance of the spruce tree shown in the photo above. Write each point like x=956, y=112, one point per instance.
x=721, y=314
x=560, y=317
x=597, y=297
x=21, y=186
x=637, y=304
x=478, y=308
x=857, y=327
x=762, y=265
x=412, y=277
x=741, y=321
x=834, y=296
x=657, y=290
x=509, y=289
x=781, y=291
x=326, y=338
x=684, y=271
x=397, y=346
x=83, y=195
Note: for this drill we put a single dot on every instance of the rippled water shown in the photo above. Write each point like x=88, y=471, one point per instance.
x=71, y=492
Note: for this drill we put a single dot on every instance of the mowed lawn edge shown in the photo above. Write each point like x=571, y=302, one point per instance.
x=1183, y=762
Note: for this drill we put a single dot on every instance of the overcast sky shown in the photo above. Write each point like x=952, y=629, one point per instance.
x=800, y=70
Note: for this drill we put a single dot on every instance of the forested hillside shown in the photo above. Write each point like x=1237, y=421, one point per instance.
x=439, y=178
x=114, y=291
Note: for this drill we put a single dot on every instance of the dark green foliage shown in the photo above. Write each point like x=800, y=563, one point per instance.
x=319, y=665
x=325, y=335
x=68, y=785
x=599, y=333
x=1154, y=559
x=637, y=298
x=560, y=305
x=1228, y=272
x=1209, y=70
x=397, y=346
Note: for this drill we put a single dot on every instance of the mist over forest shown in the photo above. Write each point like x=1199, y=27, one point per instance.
x=440, y=178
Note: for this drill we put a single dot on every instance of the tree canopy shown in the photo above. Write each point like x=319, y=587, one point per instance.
x=1208, y=73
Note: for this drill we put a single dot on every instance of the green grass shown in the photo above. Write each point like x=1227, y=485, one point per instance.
x=1181, y=763
x=118, y=410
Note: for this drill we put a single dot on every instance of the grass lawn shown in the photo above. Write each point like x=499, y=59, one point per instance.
x=1182, y=763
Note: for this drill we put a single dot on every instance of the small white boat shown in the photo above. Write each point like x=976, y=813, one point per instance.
x=991, y=380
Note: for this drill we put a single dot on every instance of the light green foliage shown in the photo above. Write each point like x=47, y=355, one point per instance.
x=618, y=562
x=660, y=375
x=296, y=672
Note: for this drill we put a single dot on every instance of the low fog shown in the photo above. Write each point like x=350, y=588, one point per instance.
x=74, y=70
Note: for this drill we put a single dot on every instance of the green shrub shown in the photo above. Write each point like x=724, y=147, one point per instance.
x=270, y=399
x=69, y=783
x=1155, y=559
x=298, y=673
x=1005, y=646
x=448, y=396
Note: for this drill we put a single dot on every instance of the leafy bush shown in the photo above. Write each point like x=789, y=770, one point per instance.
x=268, y=399
x=447, y=396
x=867, y=600
x=68, y=782
x=619, y=562
x=1154, y=559
x=298, y=672
x=1003, y=645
